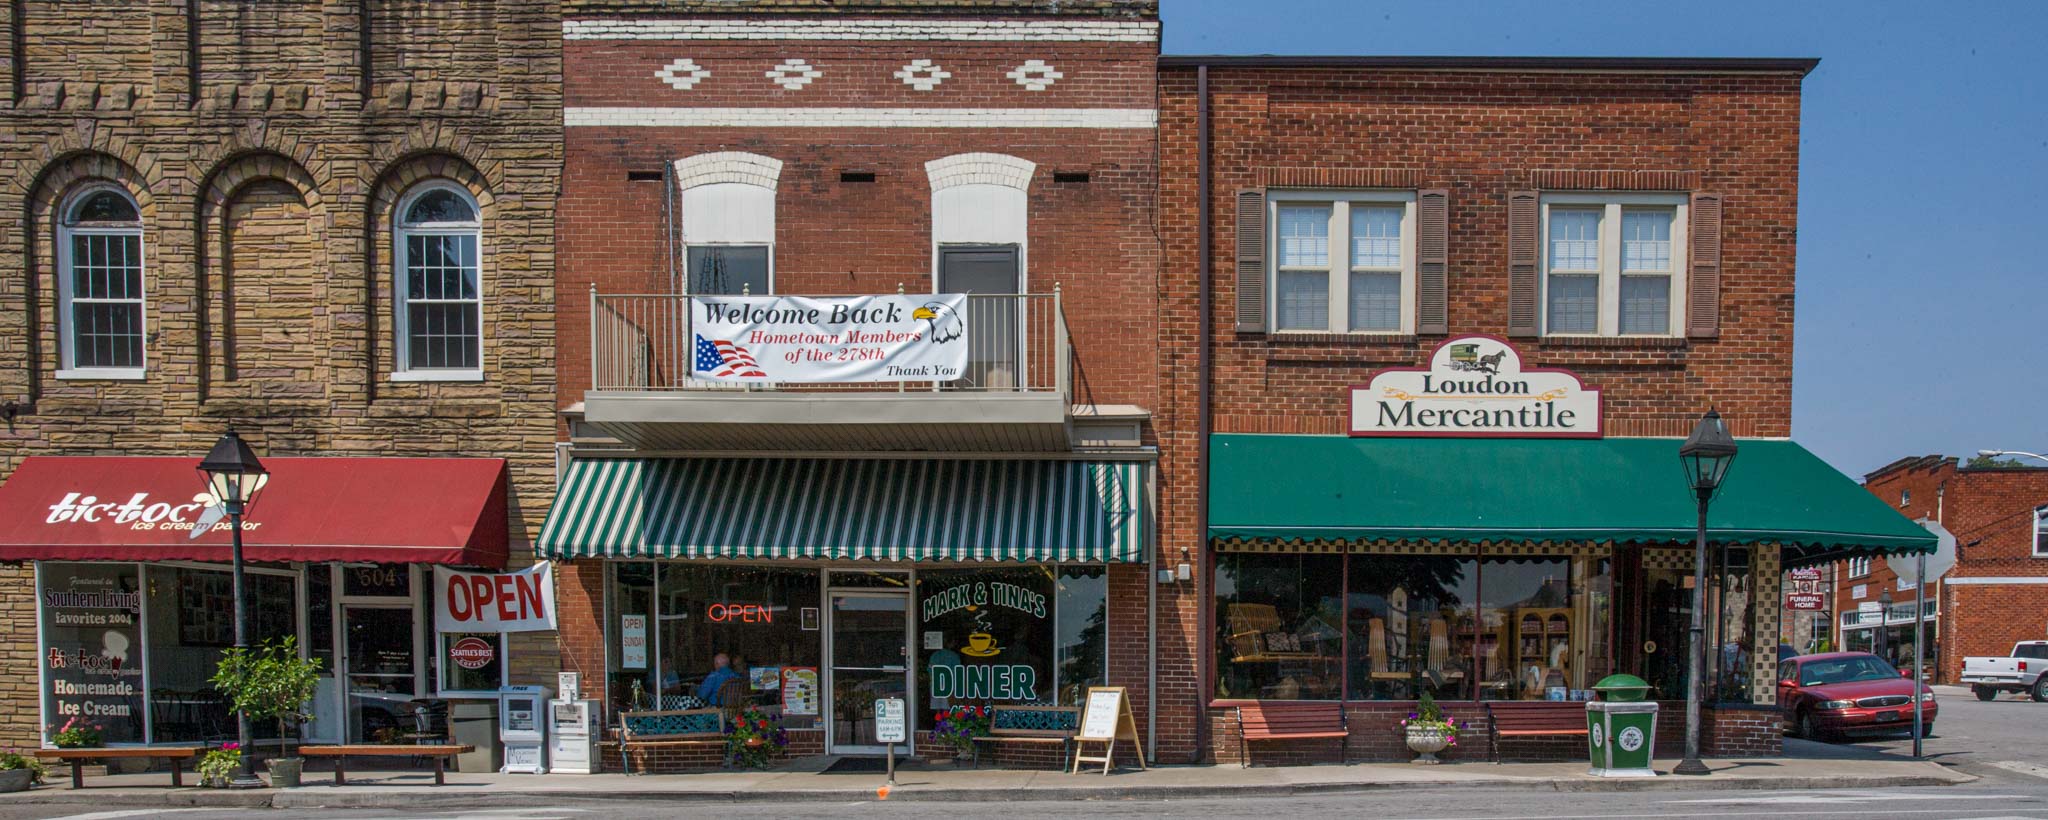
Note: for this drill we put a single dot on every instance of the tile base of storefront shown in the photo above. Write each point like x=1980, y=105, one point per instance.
x=811, y=743
x=1376, y=735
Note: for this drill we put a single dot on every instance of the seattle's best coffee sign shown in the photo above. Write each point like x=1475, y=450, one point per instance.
x=1474, y=387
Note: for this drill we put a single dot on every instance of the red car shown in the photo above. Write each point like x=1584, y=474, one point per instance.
x=1849, y=693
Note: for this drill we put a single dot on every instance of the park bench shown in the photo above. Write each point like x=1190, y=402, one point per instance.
x=1291, y=721
x=1030, y=726
x=437, y=752
x=1534, y=718
x=177, y=755
x=673, y=727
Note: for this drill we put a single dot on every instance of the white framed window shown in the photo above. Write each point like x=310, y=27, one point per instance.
x=729, y=239
x=2041, y=530
x=1859, y=567
x=1343, y=262
x=438, y=233
x=102, y=309
x=1613, y=264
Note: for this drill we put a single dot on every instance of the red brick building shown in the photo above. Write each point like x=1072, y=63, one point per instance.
x=1329, y=222
x=1997, y=588
x=720, y=151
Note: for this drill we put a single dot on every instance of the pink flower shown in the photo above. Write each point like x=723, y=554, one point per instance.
x=231, y=747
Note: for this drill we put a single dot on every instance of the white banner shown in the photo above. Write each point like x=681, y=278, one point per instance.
x=764, y=339
x=522, y=601
x=1476, y=387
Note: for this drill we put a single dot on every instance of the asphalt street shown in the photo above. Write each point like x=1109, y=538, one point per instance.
x=1999, y=741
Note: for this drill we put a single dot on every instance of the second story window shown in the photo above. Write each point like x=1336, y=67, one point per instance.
x=1343, y=262
x=2041, y=530
x=1859, y=567
x=1612, y=264
x=440, y=290
x=100, y=286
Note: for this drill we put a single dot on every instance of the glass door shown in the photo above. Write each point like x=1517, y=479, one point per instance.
x=378, y=657
x=869, y=646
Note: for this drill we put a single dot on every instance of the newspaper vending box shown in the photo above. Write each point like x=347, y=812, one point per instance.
x=522, y=728
x=573, y=747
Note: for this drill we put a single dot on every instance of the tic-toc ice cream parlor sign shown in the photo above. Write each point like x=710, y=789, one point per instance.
x=1476, y=387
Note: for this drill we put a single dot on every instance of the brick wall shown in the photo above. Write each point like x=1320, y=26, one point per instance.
x=265, y=183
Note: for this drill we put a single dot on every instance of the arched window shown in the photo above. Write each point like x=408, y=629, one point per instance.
x=100, y=285
x=440, y=304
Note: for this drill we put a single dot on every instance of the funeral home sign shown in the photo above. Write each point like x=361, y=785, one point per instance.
x=1476, y=387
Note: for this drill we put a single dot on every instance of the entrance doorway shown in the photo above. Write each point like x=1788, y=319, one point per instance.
x=868, y=656
x=379, y=671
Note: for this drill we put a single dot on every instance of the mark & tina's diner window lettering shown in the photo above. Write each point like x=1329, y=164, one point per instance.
x=1016, y=635
x=1390, y=627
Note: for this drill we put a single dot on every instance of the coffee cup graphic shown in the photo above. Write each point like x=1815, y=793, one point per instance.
x=981, y=645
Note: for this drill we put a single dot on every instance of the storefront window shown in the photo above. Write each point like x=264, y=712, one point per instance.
x=92, y=648
x=752, y=615
x=986, y=636
x=191, y=622
x=320, y=616
x=1082, y=609
x=629, y=620
x=1525, y=637
x=1280, y=626
x=1402, y=613
x=471, y=661
x=1732, y=633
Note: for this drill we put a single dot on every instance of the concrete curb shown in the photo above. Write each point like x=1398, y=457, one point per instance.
x=421, y=796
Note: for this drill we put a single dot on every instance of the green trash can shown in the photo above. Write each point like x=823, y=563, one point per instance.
x=1621, y=728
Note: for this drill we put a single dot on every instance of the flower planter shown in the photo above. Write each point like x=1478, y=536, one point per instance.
x=1426, y=741
x=16, y=780
x=285, y=771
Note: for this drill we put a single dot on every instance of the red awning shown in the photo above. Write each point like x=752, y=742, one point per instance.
x=388, y=510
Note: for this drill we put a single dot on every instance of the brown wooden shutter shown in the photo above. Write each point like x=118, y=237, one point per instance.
x=1251, y=261
x=1703, y=280
x=1432, y=261
x=1522, y=255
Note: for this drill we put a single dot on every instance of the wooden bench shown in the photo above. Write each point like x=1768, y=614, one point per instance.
x=1534, y=718
x=1030, y=726
x=177, y=755
x=1291, y=721
x=671, y=727
x=438, y=752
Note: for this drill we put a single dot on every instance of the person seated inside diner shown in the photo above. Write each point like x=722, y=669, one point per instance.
x=721, y=671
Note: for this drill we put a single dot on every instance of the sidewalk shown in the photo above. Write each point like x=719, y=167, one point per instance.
x=371, y=789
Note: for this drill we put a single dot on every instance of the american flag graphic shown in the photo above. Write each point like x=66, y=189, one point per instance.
x=724, y=359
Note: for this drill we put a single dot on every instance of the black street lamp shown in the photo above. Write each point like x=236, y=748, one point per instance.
x=1706, y=455
x=233, y=475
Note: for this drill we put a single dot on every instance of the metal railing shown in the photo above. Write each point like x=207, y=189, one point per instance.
x=1016, y=343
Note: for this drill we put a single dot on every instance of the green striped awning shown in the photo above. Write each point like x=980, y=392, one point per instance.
x=849, y=509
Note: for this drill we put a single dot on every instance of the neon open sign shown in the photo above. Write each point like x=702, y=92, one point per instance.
x=741, y=613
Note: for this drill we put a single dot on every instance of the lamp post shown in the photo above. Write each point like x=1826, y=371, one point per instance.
x=233, y=475
x=1884, y=619
x=1706, y=455
x=1997, y=453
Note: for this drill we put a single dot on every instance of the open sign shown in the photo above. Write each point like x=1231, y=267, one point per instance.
x=521, y=601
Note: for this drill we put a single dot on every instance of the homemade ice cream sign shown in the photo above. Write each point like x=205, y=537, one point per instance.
x=1476, y=387
x=765, y=339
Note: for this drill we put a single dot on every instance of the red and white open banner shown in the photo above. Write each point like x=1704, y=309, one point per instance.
x=522, y=601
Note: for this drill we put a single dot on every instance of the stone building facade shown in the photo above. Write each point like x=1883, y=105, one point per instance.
x=260, y=151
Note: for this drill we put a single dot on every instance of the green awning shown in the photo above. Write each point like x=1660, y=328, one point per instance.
x=1617, y=490
x=849, y=509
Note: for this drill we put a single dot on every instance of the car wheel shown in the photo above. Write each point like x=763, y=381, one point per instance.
x=2041, y=689
x=1809, y=728
x=1984, y=692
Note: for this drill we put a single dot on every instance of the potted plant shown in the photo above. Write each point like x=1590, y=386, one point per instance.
x=959, y=726
x=19, y=771
x=218, y=766
x=272, y=683
x=77, y=734
x=1429, y=731
x=756, y=738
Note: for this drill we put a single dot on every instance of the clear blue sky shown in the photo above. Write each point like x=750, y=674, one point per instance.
x=1922, y=223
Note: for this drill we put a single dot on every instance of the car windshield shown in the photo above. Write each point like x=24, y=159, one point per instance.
x=1845, y=670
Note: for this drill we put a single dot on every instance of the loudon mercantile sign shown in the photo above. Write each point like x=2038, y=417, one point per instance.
x=1476, y=387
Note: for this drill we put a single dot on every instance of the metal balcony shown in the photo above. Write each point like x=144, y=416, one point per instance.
x=1016, y=394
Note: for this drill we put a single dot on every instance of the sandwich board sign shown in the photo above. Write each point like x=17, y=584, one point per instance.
x=1106, y=719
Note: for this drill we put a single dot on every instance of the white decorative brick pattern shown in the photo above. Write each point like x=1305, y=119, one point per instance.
x=825, y=117
x=923, y=75
x=683, y=74
x=793, y=74
x=1034, y=75
x=728, y=166
x=1038, y=31
x=980, y=168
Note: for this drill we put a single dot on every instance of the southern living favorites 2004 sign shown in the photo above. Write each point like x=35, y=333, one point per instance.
x=1475, y=386
x=759, y=339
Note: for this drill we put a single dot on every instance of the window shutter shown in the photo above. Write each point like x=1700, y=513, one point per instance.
x=1432, y=261
x=1251, y=261
x=1522, y=255
x=1703, y=281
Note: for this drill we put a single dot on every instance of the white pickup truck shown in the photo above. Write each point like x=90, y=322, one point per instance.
x=2022, y=671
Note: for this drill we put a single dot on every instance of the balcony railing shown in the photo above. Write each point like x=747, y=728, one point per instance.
x=1017, y=343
